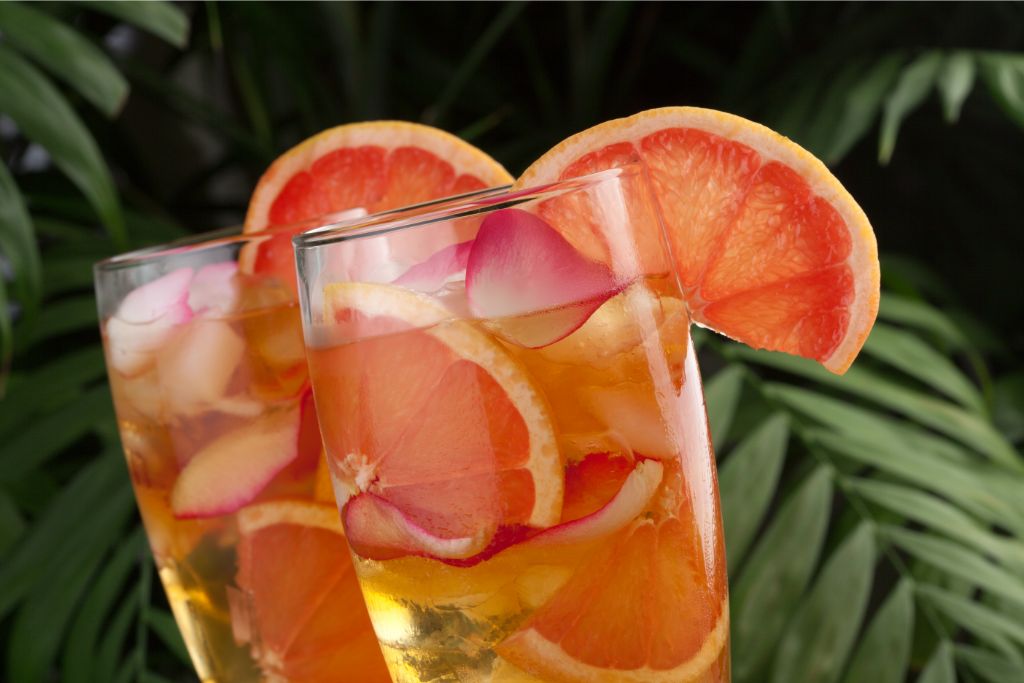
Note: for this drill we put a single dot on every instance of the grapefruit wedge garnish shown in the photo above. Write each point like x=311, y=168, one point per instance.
x=770, y=249
x=300, y=605
x=437, y=434
x=371, y=167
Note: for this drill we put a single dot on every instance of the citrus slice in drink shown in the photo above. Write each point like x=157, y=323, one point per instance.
x=302, y=608
x=643, y=609
x=370, y=166
x=770, y=249
x=435, y=430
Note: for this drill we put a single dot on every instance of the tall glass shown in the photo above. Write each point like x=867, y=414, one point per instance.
x=516, y=435
x=207, y=367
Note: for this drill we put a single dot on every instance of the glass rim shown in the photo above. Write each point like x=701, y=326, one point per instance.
x=421, y=215
x=234, y=234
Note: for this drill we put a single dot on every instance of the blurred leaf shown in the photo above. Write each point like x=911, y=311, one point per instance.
x=6, y=337
x=721, y=395
x=195, y=111
x=935, y=513
x=747, y=482
x=18, y=244
x=470, y=63
x=1008, y=409
x=65, y=274
x=45, y=437
x=983, y=621
x=108, y=657
x=861, y=106
x=906, y=352
x=779, y=568
x=940, y=668
x=144, y=593
x=45, y=117
x=162, y=19
x=955, y=82
x=912, y=313
x=87, y=629
x=82, y=516
x=66, y=53
x=150, y=677
x=49, y=386
x=913, y=86
x=12, y=526
x=1004, y=76
x=962, y=484
x=823, y=630
x=937, y=414
x=166, y=629
x=958, y=561
x=255, y=104
x=60, y=317
x=989, y=665
x=884, y=652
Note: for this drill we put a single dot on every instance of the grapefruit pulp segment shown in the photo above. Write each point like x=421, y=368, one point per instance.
x=641, y=610
x=304, y=605
x=441, y=424
x=365, y=167
x=375, y=165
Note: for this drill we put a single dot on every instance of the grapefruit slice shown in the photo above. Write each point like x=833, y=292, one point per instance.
x=301, y=602
x=373, y=166
x=643, y=609
x=437, y=435
x=770, y=249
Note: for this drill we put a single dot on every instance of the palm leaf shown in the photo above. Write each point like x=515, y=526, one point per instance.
x=160, y=18
x=66, y=54
x=941, y=501
x=45, y=117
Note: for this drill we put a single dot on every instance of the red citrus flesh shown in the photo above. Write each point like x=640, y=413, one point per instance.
x=769, y=247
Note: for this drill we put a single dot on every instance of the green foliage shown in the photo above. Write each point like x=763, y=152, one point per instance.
x=942, y=504
x=874, y=522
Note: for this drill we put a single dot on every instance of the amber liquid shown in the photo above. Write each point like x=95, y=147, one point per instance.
x=165, y=418
x=626, y=384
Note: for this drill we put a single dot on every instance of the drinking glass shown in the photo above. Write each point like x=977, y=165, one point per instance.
x=204, y=353
x=515, y=430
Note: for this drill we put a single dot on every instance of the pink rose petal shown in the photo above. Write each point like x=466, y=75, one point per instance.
x=442, y=267
x=529, y=282
x=633, y=498
x=146, y=318
x=157, y=298
x=378, y=530
x=230, y=471
x=214, y=288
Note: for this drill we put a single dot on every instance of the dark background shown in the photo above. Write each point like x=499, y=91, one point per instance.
x=198, y=98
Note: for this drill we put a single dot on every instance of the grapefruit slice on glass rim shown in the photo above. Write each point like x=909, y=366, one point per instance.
x=434, y=459
x=345, y=171
x=770, y=249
